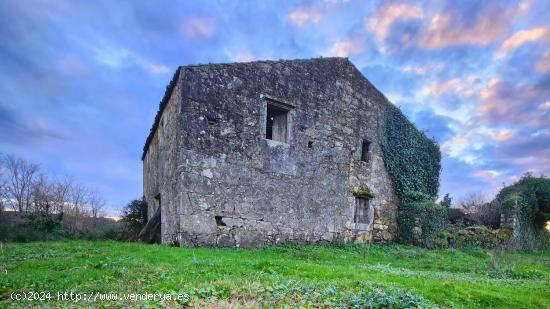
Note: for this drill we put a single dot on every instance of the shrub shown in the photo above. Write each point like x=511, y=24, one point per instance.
x=135, y=214
x=48, y=227
x=44, y=221
x=420, y=219
x=487, y=214
x=472, y=236
x=456, y=217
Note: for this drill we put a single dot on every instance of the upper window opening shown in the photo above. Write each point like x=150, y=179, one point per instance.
x=365, y=151
x=277, y=122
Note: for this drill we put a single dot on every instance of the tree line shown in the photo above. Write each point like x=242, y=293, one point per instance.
x=35, y=203
x=25, y=188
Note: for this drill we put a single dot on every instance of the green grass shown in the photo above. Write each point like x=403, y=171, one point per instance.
x=316, y=275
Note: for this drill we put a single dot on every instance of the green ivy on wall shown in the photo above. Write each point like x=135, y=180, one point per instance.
x=414, y=162
x=529, y=200
x=412, y=159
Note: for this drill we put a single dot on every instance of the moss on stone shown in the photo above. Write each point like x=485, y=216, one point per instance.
x=363, y=192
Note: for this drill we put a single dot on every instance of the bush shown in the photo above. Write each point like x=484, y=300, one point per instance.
x=456, y=217
x=487, y=214
x=420, y=219
x=16, y=227
x=135, y=215
x=472, y=236
x=43, y=221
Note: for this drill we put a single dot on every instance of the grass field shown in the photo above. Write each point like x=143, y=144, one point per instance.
x=289, y=275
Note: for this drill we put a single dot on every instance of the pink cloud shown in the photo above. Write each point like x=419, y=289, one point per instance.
x=491, y=24
x=199, y=27
x=487, y=175
x=523, y=37
x=545, y=105
x=503, y=102
x=501, y=135
x=345, y=48
x=461, y=86
x=381, y=20
x=313, y=13
x=301, y=16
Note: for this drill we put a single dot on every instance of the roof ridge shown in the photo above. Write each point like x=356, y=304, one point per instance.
x=264, y=61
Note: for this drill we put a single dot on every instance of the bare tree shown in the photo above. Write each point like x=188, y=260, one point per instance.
x=480, y=211
x=20, y=177
x=77, y=206
x=96, y=204
x=41, y=197
x=61, y=190
x=471, y=202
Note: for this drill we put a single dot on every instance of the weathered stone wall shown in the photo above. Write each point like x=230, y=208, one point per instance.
x=232, y=187
x=151, y=177
x=509, y=220
x=161, y=184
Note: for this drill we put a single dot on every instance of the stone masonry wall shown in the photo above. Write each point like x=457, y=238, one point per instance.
x=160, y=168
x=223, y=184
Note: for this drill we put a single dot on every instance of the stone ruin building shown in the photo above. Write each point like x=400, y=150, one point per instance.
x=250, y=154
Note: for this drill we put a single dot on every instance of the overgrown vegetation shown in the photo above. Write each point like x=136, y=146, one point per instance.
x=36, y=207
x=414, y=163
x=472, y=237
x=281, y=276
x=363, y=192
x=135, y=215
x=16, y=227
x=530, y=199
x=412, y=159
x=523, y=208
x=420, y=219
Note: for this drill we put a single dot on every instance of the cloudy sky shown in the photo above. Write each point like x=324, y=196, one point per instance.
x=80, y=81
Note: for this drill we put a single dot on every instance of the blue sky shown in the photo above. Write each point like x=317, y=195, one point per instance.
x=80, y=81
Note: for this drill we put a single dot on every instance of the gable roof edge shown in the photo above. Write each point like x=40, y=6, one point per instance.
x=162, y=106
